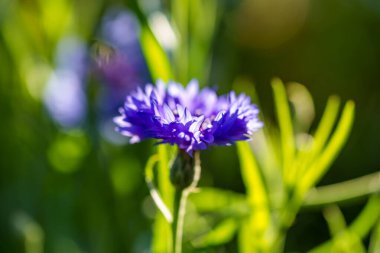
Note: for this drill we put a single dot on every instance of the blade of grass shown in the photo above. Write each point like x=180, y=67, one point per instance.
x=156, y=57
x=157, y=60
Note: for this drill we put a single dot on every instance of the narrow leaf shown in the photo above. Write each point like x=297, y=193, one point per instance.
x=358, y=229
x=153, y=191
x=344, y=191
x=286, y=127
x=257, y=195
x=374, y=245
x=325, y=126
x=157, y=60
x=332, y=149
x=367, y=218
x=335, y=220
x=306, y=157
x=245, y=239
x=221, y=234
x=212, y=199
x=162, y=229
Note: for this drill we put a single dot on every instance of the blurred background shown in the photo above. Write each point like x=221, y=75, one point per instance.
x=70, y=184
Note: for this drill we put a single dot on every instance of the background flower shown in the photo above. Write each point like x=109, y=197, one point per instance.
x=120, y=63
x=65, y=97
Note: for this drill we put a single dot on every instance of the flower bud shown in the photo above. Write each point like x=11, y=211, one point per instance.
x=182, y=170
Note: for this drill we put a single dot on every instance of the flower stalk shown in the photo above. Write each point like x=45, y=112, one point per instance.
x=185, y=174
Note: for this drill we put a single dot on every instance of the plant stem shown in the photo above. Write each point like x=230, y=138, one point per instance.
x=180, y=199
x=179, y=213
x=343, y=191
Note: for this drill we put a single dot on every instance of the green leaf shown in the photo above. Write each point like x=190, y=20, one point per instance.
x=344, y=191
x=162, y=233
x=307, y=157
x=303, y=106
x=335, y=219
x=245, y=239
x=209, y=199
x=328, y=155
x=358, y=229
x=157, y=60
x=256, y=192
x=374, y=245
x=221, y=234
x=367, y=218
x=286, y=128
x=347, y=242
x=221, y=202
x=160, y=204
x=326, y=125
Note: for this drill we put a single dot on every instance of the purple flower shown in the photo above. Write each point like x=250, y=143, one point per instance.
x=120, y=65
x=191, y=118
x=65, y=97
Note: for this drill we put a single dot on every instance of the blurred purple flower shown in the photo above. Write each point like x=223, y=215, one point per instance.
x=65, y=97
x=123, y=67
x=191, y=118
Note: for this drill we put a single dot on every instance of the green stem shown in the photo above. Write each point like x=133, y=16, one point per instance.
x=180, y=199
x=154, y=193
x=179, y=215
x=344, y=191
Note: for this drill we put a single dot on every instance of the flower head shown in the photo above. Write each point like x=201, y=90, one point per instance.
x=188, y=117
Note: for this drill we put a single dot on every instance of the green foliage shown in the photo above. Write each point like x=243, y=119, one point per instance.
x=194, y=22
x=222, y=212
x=71, y=148
x=301, y=164
x=259, y=222
x=222, y=201
x=374, y=246
x=350, y=239
x=71, y=191
x=157, y=60
x=220, y=234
